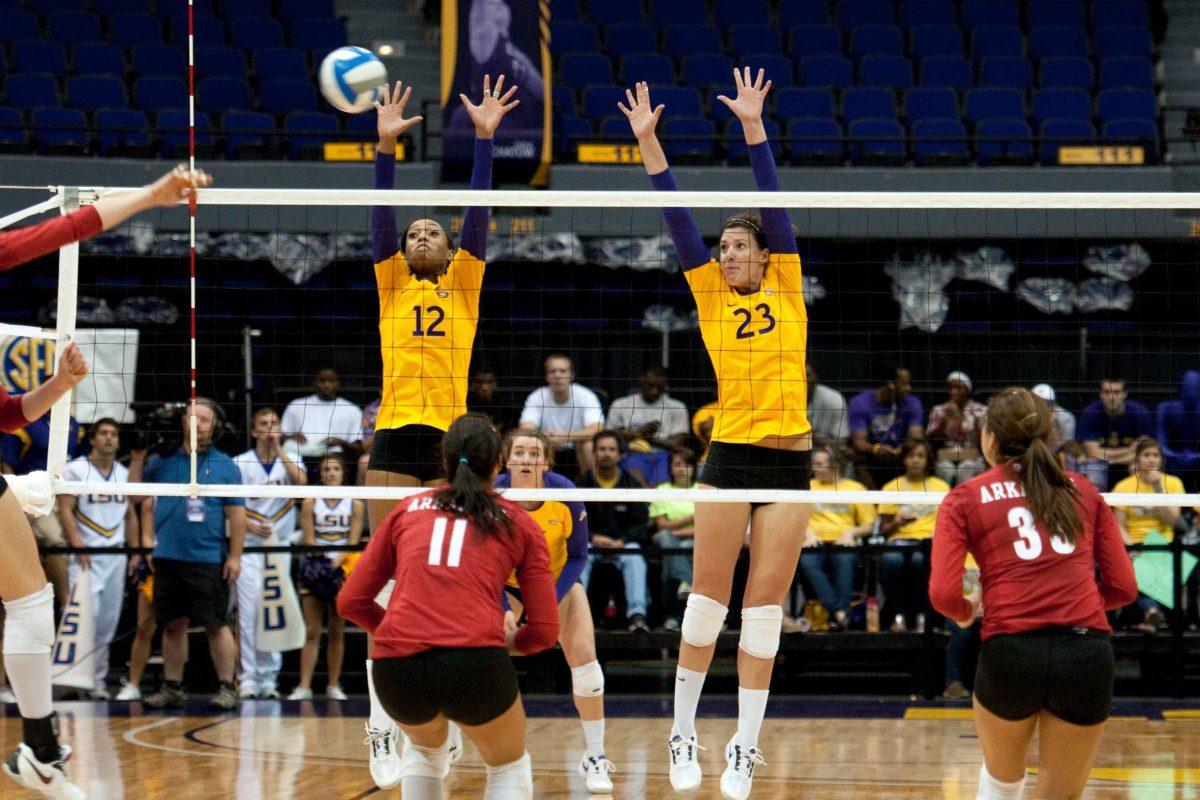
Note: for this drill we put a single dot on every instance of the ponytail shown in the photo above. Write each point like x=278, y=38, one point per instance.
x=471, y=453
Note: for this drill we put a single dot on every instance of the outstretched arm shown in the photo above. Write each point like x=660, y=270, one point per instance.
x=486, y=116
x=392, y=124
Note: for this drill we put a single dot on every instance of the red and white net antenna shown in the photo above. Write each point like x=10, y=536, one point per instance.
x=192, y=235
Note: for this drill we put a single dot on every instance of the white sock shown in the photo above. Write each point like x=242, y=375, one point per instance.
x=752, y=706
x=992, y=789
x=420, y=787
x=688, y=685
x=593, y=732
x=379, y=719
x=513, y=781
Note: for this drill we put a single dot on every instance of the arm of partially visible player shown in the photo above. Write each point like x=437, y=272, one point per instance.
x=308, y=531
x=1118, y=582
x=947, y=563
x=577, y=551
x=486, y=116
x=132, y=534
x=538, y=593
x=235, y=516
x=18, y=411
x=356, y=600
x=66, y=518
x=392, y=124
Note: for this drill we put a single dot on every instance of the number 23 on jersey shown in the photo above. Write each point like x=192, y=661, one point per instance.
x=756, y=323
x=1029, y=545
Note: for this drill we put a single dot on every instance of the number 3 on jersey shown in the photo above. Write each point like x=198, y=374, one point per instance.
x=1029, y=546
x=457, y=534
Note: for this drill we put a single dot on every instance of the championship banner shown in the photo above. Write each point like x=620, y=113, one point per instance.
x=497, y=37
x=280, y=620
x=108, y=389
x=75, y=643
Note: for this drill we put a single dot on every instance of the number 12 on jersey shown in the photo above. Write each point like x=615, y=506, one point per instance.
x=457, y=534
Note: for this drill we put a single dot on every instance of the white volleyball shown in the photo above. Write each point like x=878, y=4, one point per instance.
x=352, y=79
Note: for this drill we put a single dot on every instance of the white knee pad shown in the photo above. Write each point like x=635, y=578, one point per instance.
x=512, y=781
x=992, y=789
x=760, y=630
x=424, y=762
x=29, y=626
x=588, y=680
x=702, y=620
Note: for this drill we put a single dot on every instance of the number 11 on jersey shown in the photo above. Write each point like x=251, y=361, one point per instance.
x=457, y=534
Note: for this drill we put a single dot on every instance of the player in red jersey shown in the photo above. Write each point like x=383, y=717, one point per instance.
x=37, y=763
x=1039, y=535
x=440, y=647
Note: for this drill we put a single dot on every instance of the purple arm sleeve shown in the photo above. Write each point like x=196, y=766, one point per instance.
x=577, y=551
x=475, y=222
x=383, y=218
x=689, y=244
x=777, y=225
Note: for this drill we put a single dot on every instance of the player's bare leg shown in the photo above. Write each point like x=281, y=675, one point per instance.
x=578, y=639
x=426, y=759
x=139, y=651
x=313, y=622
x=501, y=743
x=1005, y=745
x=1065, y=756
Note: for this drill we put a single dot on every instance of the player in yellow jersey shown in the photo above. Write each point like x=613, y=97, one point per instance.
x=428, y=315
x=755, y=327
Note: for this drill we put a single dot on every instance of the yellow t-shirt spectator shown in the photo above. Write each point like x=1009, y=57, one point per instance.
x=1140, y=520
x=926, y=516
x=830, y=520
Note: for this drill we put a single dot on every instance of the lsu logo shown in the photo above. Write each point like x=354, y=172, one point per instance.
x=25, y=364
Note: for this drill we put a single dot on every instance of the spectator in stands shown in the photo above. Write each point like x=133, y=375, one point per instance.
x=827, y=415
x=618, y=526
x=1137, y=522
x=881, y=420
x=650, y=423
x=902, y=572
x=835, y=531
x=954, y=429
x=1109, y=429
x=675, y=523
x=324, y=422
x=1179, y=430
x=369, y=415
x=195, y=563
x=484, y=397
x=1062, y=422
x=702, y=426
x=569, y=414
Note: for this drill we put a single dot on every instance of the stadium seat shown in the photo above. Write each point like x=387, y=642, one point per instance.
x=159, y=60
x=1121, y=43
x=1003, y=141
x=1061, y=104
x=747, y=39
x=610, y=12
x=816, y=142
x=1120, y=73
x=73, y=27
x=615, y=128
x=625, y=38
x=921, y=104
x=123, y=132
x=568, y=133
x=797, y=103
x=601, y=101
x=985, y=104
x=946, y=71
x=890, y=71
x=1114, y=104
x=284, y=97
x=13, y=137
x=664, y=13
x=223, y=94
x=179, y=8
x=939, y=143
x=852, y=14
x=649, y=67
x=120, y=6
x=304, y=9
x=307, y=132
x=255, y=33
x=681, y=100
x=831, y=71
x=778, y=69
x=1056, y=13
x=39, y=56
x=698, y=148
x=565, y=10
x=49, y=6
x=982, y=13
x=129, y=30
x=996, y=40
x=1120, y=13
x=209, y=32
x=92, y=92
x=19, y=25
x=155, y=94
x=248, y=134
x=221, y=62
x=707, y=70
x=736, y=151
x=920, y=13
x=730, y=13
x=936, y=40
x=563, y=99
x=59, y=131
x=1133, y=132
x=363, y=127
x=579, y=70
x=1057, y=43
x=803, y=12
x=1006, y=72
x=98, y=58
x=318, y=35
x=172, y=128
x=719, y=111
x=30, y=91
x=876, y=142
x=1057, y=133
x=245, y=8
x=686, y=40
x=816, y=40
x=1066, y=73
x=863, y=103
x=280, y=63
x=876, y=40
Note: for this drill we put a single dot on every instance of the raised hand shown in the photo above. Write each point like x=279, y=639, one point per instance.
x=748, y=104
x=176, y=185
x=491, y=108
x=392, y=123
x=643, y=118
x=72, y=367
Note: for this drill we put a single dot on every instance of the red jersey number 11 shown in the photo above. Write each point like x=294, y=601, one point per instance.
x=457, y=534
x=1029, y=546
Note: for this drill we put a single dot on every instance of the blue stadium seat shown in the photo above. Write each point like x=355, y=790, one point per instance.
x=321, y=35
x=891, y=71
x=563, y=100
x=699, y=147
x=816, y=40
x=245, y=8
x=876, y=142
x=155, y=94
x=863, y=103
x=922, y=104
x=1119, y=73
x=1133, y=132
x=936, y=40
x=223, y=94
x=1066, y=73
x=1121, y=43
x=49, y=6
x=939, y=142
x=626, y=38
x=1003, y=141
x=664, y=13
x=649, y=67
x=996, y=40
x=876, y=40
x=747, y=39
x=73, y=27
x=92, y=92
x=179, y=8
x=983, y=13
x=1120, y=13
x=221, y=62
x=565, y=10
x=255, y=32
x=580, y=69
x=778, y=69
x=985, y=104
x=686, y=40
x=803, y=12
x=615, y=128
x=304, y=9
x=796, y=103
x=1113, y=104
x=855, y=13
x=1006, y=72
x=120, y=6
x=284, y=97
x=568, y=133
x=741, y=12
x=816, y=142
x=736, y=151
x=832, y=71
x=363, y=127
x=172, y=128
x=707, y=70
x=37, y=56
x=1057, y=43
x=98, y=58
x=946, y=71
x=159, y=60
x=307, y=132
x=279, y=63
x=122, y=132
x=610, y=12
x=601, y=101
x=248, y=134
x=59, y=131
x=13, y=137
x=129, y=30
x=919, y=13
x=209, y=32
x=719, y=111
x=1056, y=13
x=681, y=100
x=1061, y=104
x=19, y=25
x=1059, y=132
x=30, y=91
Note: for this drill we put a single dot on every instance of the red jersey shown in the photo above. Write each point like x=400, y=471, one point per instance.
x=1029, y=579
x=26, y=244
x=449, y=579
x=12, y=418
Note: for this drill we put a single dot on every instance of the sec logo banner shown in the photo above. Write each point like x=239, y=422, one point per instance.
x=25, y=364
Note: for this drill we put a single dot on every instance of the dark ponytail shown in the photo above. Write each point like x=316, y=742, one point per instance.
x=471, y=454
x=1020, y=421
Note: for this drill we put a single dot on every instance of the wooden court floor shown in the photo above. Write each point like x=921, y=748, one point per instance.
x=827, y=751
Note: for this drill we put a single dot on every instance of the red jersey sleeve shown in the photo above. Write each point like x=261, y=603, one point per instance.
x=356, y=600
x=537, y=591
x=26, y=244
x=12, y=418
x=949, y=556
x=1118, y=583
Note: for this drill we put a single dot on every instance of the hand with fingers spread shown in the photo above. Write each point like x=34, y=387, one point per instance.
x=642, y=116
x=392, y=122
x=492, y=108
x=748, y=104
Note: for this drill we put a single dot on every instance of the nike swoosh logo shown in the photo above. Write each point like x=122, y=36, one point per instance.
x=38, y=772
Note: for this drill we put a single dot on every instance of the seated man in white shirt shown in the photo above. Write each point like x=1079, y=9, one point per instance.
x=650, y=423
x=323, y=422
x=569, y=414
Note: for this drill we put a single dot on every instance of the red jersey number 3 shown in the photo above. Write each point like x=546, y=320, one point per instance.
x=1029, y=545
